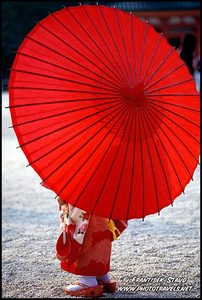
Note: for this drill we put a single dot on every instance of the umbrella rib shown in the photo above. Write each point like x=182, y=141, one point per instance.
x=73, y=137
x=172, y=144
x=163, y=77
x=158, y=155
x=63, y=68
x=67, y=159
x=175, y=147
x=152, y=167
x=63, y=79
x=160, y=65
x=126, y=73
x=134, y=56
x=176, y=94
x=119, y=71
x=142, y=161
x=151, y=115
x=64, y=127
x=176, y=124
x=178, y=138
x=133, y=169
x=102, y=158
x=93, y=52
x=143, y=50
x=60, y=102
x=97, y=45
x=168, y=86
x=111, y=167
x=68, y=58
x=63, y=113
x=152, y=56
x=122, y=38
x=122, y=169
x=77, y=51
x=173, y=104
x=174, y=113
x=58, y=90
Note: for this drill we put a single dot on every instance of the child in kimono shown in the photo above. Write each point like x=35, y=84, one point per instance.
x=91, y=238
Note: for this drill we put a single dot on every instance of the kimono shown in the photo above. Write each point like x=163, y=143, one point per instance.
x=91, y=237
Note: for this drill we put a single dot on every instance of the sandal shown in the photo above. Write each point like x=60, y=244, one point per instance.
x=109, y=286
x=85, y=291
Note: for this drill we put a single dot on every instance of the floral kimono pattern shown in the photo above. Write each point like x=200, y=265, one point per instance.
x=91, y=238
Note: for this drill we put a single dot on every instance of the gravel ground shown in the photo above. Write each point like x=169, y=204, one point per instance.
x=157, y=258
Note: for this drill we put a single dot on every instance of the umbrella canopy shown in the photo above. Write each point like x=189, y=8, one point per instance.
x=105, y=111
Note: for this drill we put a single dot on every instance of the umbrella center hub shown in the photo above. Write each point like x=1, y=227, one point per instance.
x=134, y=95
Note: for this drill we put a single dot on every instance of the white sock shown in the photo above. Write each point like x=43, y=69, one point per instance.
x=87, y=280
x=104, y=278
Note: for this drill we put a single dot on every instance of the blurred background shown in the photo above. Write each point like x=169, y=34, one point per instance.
x=179, y=21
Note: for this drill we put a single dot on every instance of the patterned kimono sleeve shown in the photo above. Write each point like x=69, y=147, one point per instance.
x=81, y=219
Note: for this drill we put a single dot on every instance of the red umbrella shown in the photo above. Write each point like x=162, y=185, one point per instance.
x=105, y=111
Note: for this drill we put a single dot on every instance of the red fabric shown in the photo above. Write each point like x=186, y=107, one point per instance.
x=92, y=258
x=105, y=111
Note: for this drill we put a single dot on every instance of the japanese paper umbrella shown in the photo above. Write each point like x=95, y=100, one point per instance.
x=105, y=111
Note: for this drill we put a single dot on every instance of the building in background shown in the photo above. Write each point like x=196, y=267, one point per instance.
x=174, y=19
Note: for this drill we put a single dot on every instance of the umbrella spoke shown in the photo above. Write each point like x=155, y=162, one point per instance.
x=133, y=48
x=64, y=79
x=172, y=104
x=133, y=169
x=163, y=77
x=176, y=135
x=158, y=68
x=61, y=101
x=174, y=113
x=112, y=164
x=65, y=69
x=172, y=144
x=123, y=166
x=57, y=90
x=78, y=52
x=175, y=123
x=149, y=115
x=103, y=39
x=90, y=155
x=168, y=86
x=69, y=59
x=158, y=154
x=142, y=169
x=175, y=94
x=143, y=50
x=64, y=113
x=124, y=46
x=104, y=155
x=119, y=110
x=115, y=44
x=66, y=126
x=152, y=57
x=86, y=46
x=150, y=159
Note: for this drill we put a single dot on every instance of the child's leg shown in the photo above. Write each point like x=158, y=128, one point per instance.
x=103, y=278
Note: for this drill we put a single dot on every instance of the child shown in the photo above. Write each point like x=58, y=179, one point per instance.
x=91, y=238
